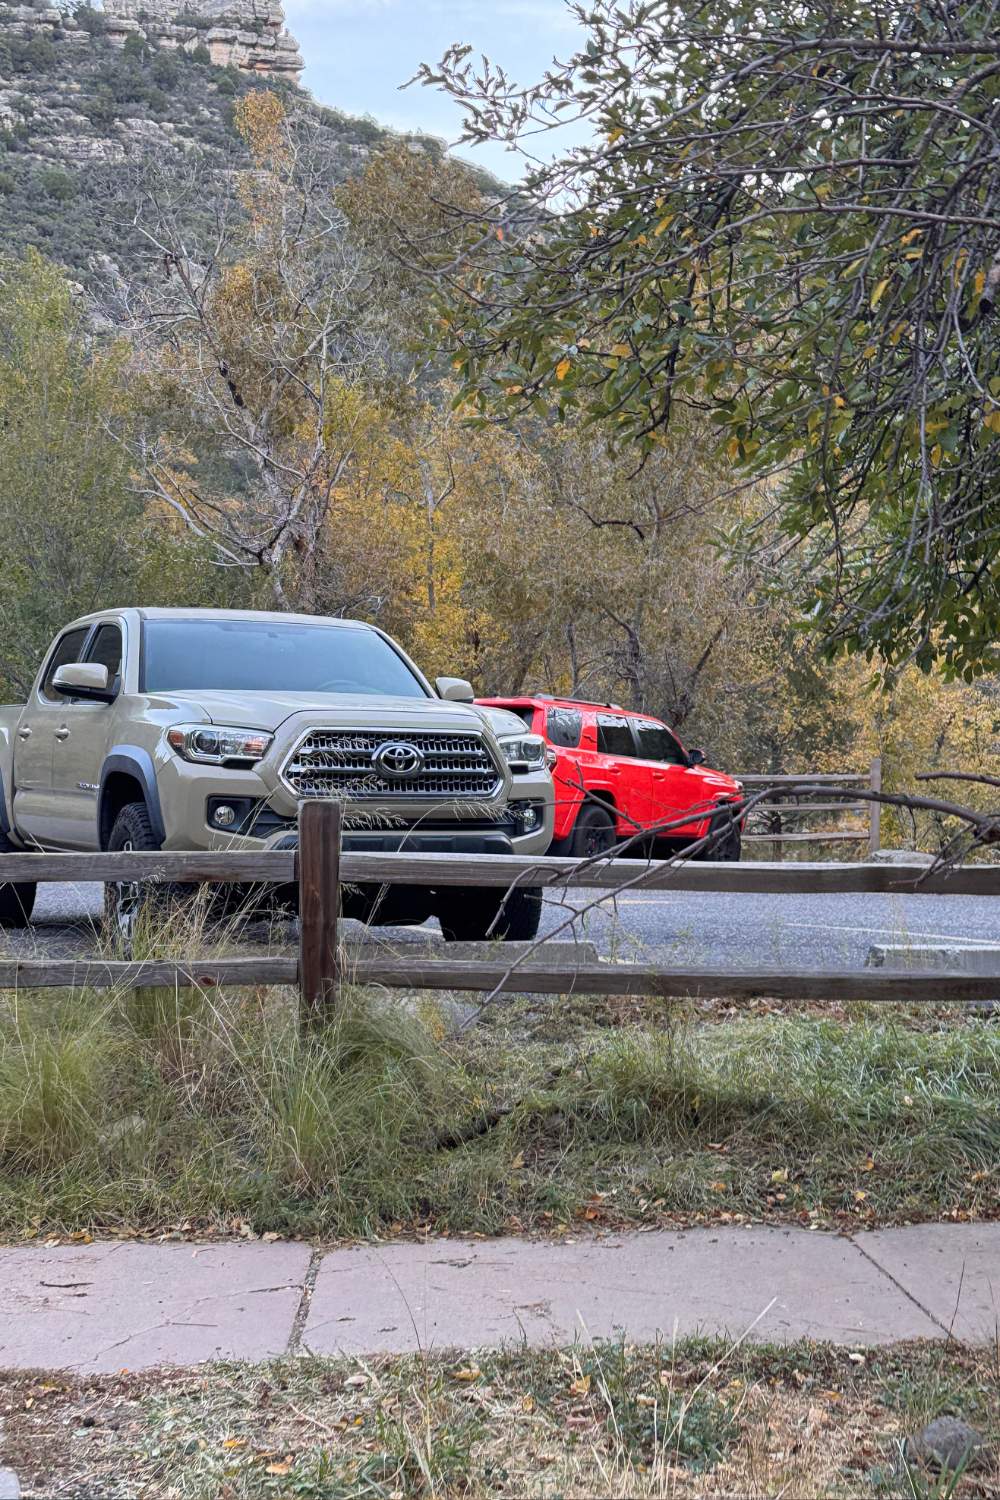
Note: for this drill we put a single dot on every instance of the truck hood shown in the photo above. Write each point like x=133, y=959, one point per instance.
x=501, y=720
x=349, y=711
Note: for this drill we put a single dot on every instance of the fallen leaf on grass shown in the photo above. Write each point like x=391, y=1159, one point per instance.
x=468, y=1373
x=580, y=1387
x=235, y=1443
x=781, y=1175
x=527, y=1402
x=356, y=1380
x=280, y=1468
x=518, y=1162
x=717, y=1187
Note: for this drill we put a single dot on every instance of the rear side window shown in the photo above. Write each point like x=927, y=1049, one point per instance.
x=563, y=727
x=106, y=650
x=67, y=649
x=524, y=711
x=657, y=743
x=614, y=735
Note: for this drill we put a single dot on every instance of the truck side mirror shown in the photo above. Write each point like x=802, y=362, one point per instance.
x=455, y=689
x=696, y=757
x=83, y=679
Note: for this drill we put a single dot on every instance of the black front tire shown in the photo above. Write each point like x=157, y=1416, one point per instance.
x=728, y=848
x=17, y=898
x=469, y=917
x=593, y=832
x=124, y=900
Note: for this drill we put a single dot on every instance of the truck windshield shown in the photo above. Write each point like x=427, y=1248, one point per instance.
x=264, y=656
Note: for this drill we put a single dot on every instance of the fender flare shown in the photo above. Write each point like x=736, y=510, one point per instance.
x=138, y=763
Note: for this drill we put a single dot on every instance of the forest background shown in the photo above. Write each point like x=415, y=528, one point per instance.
x=253, y=412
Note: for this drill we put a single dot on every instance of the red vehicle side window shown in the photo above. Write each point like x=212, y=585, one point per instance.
x=564, y=726
x=614, y=736
x=657, y=743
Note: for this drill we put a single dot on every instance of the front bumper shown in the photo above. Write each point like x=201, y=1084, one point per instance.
x=187, y=791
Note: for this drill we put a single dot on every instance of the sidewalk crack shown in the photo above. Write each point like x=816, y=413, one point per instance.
x=905, y=1290
x=302, y=1311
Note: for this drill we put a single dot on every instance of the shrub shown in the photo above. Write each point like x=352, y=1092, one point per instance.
x=158, y=101
x=127, y=82
x=89, y=19
x=136, y=46
x=226, y=85
x=201, y=54
x=164, y=70
x=40, y=54
x=101, y=109
x=57, y=184
x=7, y=184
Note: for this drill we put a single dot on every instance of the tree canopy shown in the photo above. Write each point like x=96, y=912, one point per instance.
x=787, y=218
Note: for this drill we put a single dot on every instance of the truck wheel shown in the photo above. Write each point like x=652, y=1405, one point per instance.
x=17, y=898
x=728, y=849
x=593, y=832
x=468, y=919
x=125, y=899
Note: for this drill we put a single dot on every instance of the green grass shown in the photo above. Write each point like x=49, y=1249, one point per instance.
x=149, y=1110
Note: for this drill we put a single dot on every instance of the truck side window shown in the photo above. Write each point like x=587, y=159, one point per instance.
x=68, y=649
x=614, y=736
x=106, y=650
x=564, y=726
x=657, y=743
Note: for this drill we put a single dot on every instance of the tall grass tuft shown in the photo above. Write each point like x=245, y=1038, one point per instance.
x=55, y=1081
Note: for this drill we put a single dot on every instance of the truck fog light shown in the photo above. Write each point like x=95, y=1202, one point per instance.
x=224, y=815
x=529, y=818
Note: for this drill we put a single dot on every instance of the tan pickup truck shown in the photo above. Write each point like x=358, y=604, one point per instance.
x=205, y=729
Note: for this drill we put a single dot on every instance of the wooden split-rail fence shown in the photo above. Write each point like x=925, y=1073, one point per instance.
x=320, y=866
x=786, y=809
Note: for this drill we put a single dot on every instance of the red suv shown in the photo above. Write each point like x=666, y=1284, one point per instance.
x=637, y=772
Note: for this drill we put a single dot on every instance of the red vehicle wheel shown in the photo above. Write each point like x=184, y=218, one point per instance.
x=728, y=848
x=593, y=832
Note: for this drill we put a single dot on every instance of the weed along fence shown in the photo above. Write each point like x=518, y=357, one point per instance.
x=785, y=809
x=320, y=867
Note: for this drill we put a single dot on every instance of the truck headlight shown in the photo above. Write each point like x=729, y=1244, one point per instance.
x=524, y=752
x=218, y=744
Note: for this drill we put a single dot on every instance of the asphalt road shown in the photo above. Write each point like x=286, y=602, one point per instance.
x=681, y=927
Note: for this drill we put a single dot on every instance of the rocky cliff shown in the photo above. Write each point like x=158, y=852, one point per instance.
x=86, y=96
x=249, y=35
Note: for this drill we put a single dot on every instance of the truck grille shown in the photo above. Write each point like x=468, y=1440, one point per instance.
x=340, y=763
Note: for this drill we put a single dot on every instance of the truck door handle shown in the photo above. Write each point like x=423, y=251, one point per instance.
x=63, y=733
x=24, y=733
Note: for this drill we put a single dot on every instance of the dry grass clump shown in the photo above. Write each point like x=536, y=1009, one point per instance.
x=153, y=1109
x=700, y=1419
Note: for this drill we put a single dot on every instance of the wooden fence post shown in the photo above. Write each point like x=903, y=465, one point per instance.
x=319, y=907
x=875, y=808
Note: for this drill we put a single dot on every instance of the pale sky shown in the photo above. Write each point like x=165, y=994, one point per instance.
x=358, y=52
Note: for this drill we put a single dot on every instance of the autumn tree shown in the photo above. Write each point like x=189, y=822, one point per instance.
x=788, y=219
x=71, y=534
x=256, y=359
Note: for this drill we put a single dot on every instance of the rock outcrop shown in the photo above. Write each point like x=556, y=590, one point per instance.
x=246, y=34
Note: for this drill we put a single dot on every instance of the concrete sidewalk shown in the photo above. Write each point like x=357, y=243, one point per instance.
x=104, y=1307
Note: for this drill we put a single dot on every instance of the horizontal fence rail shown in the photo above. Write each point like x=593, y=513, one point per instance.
x=321, y=867
x=780, y=811
x=280, y=867
x=895, y=985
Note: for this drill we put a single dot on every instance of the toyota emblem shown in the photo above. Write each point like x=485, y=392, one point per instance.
x=398, y=759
